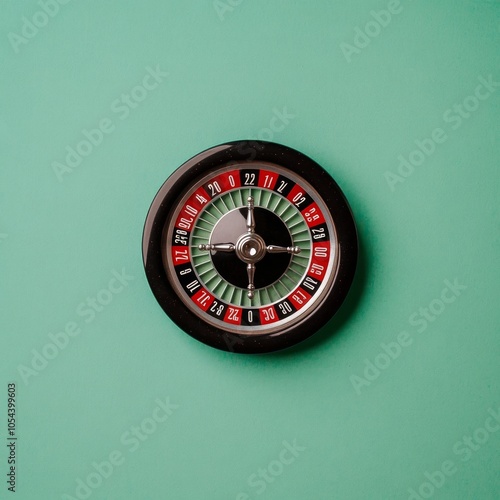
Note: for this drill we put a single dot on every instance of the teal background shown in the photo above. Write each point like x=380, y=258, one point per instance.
x=60, y=242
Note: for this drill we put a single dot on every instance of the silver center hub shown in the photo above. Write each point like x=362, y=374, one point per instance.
x=250, y=248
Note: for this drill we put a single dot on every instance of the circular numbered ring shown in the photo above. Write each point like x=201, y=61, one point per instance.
x=250, y=247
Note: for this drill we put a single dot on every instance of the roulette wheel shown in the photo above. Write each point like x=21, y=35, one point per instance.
x=250, y=247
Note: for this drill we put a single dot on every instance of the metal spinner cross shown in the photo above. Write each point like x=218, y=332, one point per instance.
x=250, y=248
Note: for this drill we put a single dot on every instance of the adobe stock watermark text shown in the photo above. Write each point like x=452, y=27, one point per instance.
x=93, y=137
x=419, y=321
x=453, y=118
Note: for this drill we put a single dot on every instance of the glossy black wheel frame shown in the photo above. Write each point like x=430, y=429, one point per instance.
x=237, y=153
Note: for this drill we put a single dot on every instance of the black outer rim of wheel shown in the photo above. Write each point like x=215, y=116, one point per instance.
x=236, y=153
